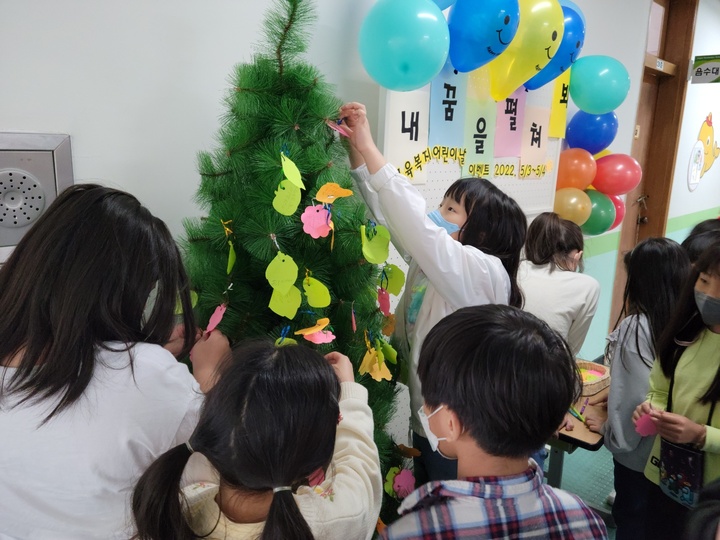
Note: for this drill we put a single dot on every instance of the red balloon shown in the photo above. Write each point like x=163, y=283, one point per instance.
x=576, y=169
x=619, y=210
x=617, y=174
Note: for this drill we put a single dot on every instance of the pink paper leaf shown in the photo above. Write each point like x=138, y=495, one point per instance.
x=323, y=336
x=645, y=426
x=216, y=317
x=404, y=483
x=384, y=301
x=337, y=127
x=316, y=221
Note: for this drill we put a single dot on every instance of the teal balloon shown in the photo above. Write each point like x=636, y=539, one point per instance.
x=404, y=43
x=598, y=84
x=602, y=213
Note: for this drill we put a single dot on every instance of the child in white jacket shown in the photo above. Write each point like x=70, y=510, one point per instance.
x=465, y=253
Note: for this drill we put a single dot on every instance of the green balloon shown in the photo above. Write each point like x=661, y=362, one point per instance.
x=602, y=214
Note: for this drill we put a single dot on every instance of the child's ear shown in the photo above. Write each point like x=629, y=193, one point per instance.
x=455, y=426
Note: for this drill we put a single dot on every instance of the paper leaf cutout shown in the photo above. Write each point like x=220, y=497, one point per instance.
x=337, y=127
x=384, y=301
x=324, y=336
x=388, y=351
x=231, y=258
x=354, y=322
x=317, y=294
x=193, y=303
x=389, y=327
x=282, y=273
x=321, y=323
x=369, y=360
x=377, y=249
x=281, y=342
x=316, y=221
x=404, y=483
x=392, y=279
x=216, y=317
x=287, y=198
x=331, y=191
x=291, y=171
x=380, y=372
x=645, y=426
x=286, y=304
x=390, y=480
x=316, y=478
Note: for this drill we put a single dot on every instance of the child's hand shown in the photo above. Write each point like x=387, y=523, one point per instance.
x=600, y=399
x=567, y=424
x=643, y=408
x=177, y=339
x=676, y=428
x=354, y=118
x=207, y=354
x=342, y=366
x=594, y=423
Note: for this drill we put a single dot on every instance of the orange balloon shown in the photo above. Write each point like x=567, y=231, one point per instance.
x=572, y=204
x=576, y=169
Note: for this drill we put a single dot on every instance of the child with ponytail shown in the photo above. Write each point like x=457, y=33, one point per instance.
x=291, y=436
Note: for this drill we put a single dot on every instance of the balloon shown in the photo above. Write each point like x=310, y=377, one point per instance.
x=576, y=169
x=602, y=215
x=536, y=42
x=569, y=50
x=404, y=43
x=598, y=84
x=617, y=174
x=480, y=30
x=574, y=7
x=604, y=153
x=592, y=132
x=444, y=4
x=573, y=204
x=619, y=210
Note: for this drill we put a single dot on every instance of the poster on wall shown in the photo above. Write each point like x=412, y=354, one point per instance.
x=703, y=154
x=706, y=69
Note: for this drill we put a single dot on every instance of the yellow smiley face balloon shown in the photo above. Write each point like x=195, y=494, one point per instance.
x=536, y=42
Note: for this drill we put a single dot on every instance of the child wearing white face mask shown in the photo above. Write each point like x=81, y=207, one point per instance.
x=682, y=402
x=496, y=382
x=464, y=253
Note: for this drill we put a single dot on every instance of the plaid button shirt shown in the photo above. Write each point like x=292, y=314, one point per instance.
x=518, y=506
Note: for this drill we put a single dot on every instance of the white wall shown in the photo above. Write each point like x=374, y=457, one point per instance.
x=138, y=84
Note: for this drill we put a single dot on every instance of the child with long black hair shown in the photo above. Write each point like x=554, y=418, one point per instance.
x=277, y=420
x=464, y=253
x=681, y=402
x=657, y=269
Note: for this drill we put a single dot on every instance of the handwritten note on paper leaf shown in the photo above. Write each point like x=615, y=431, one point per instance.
x=287, y=198
x=316, y=221
x=321, y=323
x=392, y=279
x=317, y=293
x=331, y=191
x=286, y=304
x=384, y=301
x=291, y=171
x=282, y=273
x=377, y=249
x=323, y=336
x=216, y=317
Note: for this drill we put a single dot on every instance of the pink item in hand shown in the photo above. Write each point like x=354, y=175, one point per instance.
x=216, y=317
x=645, y=426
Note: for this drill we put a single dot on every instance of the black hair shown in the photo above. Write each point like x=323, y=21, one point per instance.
x=80, y=277
x=695, y=244
x=506, y=374
x=269, y=421
x=551, y=239
x=686, y=324
x=495, y=225
x=657, y=269
x=707, y=225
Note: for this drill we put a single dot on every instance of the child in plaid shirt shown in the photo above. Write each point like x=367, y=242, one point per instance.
x=496, y=382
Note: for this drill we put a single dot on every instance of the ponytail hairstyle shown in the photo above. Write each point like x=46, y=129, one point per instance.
x=269, y=422
x=495, y=225
x=95, y=257
x=551, y=239
x=657, y=269
x=686, y=324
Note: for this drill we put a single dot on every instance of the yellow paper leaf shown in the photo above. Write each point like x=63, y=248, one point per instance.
x=291, y=171
x=321, y=323
x=380, y=372
x=369, y=360
x=392, y=280
x=317, y=294
x=377, y=248
x=286, y=304
x=331, y=191
x=287, y=198
x=231, y=258
x=282, y=273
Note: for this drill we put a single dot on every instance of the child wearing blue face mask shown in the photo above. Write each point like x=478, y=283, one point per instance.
x=464, y=253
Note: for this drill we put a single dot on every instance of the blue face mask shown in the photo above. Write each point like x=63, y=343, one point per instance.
x=436, y=217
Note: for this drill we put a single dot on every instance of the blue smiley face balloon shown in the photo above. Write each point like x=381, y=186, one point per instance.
x=569, y=50
x=480, y=30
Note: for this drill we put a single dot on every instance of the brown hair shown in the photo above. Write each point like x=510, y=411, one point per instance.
x=551, y=239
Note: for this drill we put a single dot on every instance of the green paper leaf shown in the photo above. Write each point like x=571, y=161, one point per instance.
x=231, y=258
x=393, y=280
x=282, y=273
x=317, y=294
x=388, y=351
x=193, y=303
x=286, y=304
x=291, y=171
x=287, y=198
x=280, y=342
x=377, y=249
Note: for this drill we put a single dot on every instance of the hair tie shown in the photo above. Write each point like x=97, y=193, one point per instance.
x=282, y=488
x=189, y=447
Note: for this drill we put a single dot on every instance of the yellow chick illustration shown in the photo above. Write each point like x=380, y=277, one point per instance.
x=707, y=138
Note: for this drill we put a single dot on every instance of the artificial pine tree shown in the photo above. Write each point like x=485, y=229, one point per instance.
x=279, y=113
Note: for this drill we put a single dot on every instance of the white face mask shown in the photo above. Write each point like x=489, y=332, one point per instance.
x=425, y=422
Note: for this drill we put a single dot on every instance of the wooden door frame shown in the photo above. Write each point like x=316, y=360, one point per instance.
x=672, y=68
